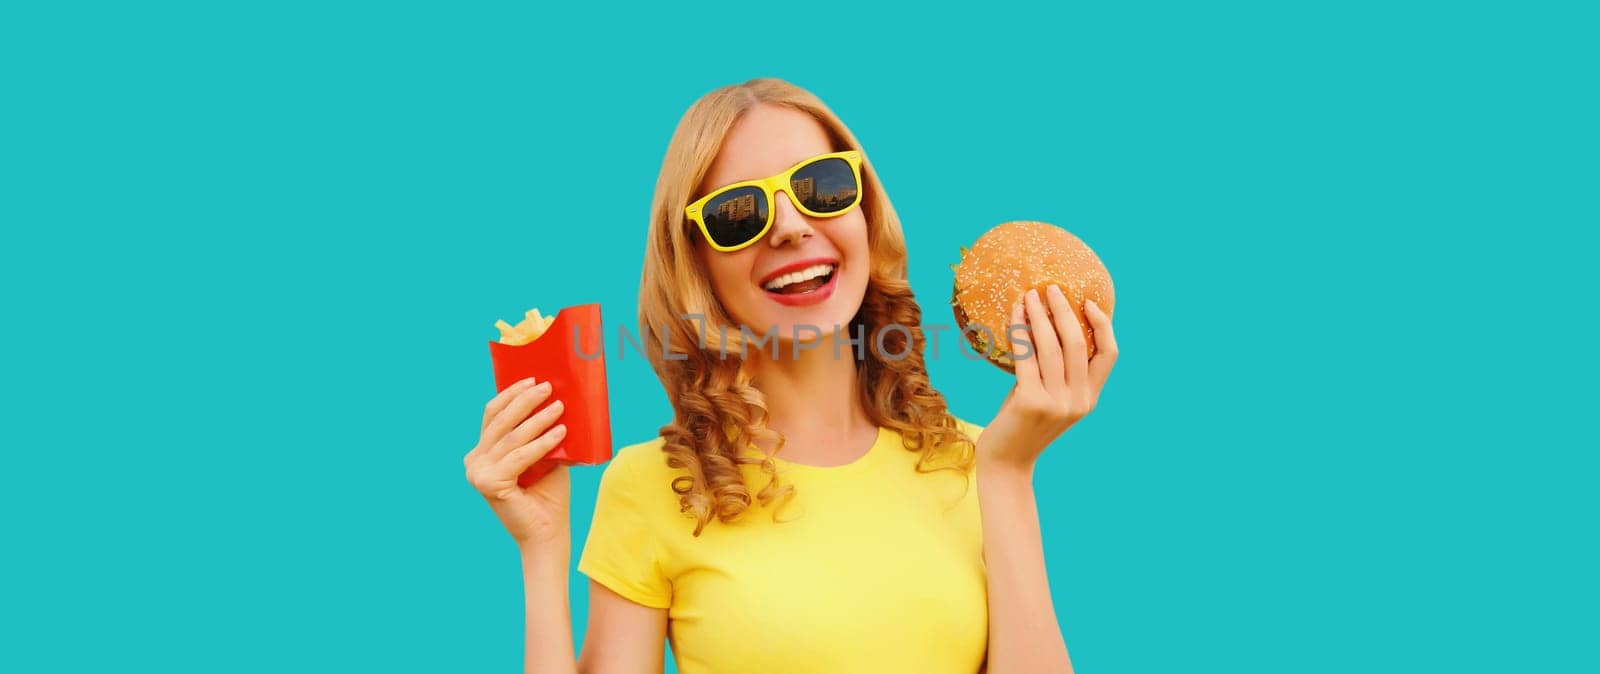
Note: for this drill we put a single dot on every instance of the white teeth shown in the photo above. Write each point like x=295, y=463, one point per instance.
x=806, y=274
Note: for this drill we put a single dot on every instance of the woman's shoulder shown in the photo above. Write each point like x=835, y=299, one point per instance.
x=638, y=479
x=971, y=429
x=644, y=461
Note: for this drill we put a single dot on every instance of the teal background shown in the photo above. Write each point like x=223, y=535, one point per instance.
x=252, y=251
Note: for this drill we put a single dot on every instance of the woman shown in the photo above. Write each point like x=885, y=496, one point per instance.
x=810, y=508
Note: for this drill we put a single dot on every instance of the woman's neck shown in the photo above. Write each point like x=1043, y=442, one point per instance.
x=813, y=401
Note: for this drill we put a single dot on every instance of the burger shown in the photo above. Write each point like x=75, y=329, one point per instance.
x=1009, y=260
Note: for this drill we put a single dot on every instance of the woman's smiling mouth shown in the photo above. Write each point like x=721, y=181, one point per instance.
x=802, y=283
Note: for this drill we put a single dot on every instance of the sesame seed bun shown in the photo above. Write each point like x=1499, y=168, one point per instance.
x=1011, y=259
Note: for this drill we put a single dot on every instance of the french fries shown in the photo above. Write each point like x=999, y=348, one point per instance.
x=528, y=329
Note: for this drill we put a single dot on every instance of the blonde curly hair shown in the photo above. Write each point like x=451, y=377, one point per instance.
x=717, y=411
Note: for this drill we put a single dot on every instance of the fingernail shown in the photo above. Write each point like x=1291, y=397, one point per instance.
x=1091, y=304
x=543, y=386
x=526, y=382
x=560, y=430
x=1033, y=293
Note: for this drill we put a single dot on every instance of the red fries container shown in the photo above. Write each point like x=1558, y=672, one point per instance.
x=571, y=356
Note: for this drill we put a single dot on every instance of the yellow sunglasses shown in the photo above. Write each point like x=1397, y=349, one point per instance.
x=736, y=215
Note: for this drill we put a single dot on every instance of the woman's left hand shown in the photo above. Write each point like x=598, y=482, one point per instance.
x=1057, y=384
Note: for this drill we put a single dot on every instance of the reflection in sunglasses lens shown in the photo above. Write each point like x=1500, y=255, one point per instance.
x=736, y=216
x=825, y=186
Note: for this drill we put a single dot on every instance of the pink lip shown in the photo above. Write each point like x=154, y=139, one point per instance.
x=797, y=266
x=803, y=299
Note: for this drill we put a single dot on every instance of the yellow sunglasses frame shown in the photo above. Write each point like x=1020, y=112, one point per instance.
x=772, y=184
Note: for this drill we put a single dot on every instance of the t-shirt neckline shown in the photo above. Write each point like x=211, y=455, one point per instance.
x=880, y=446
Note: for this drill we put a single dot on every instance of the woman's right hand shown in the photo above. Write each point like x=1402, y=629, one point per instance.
x=512, y=441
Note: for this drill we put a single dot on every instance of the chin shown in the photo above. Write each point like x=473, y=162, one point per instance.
x=837, y=310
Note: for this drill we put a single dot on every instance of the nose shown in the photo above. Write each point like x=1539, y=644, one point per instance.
x=788, y=224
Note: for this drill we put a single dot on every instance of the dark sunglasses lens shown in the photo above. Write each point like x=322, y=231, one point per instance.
x=736, y=216
x=825, y=186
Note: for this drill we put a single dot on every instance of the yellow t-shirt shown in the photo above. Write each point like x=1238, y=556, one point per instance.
x=873, y=566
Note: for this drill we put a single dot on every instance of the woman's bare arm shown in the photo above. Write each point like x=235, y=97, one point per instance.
x=622, y=638
x=548, y=624
x=1023, y=633
x=1057, y=384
